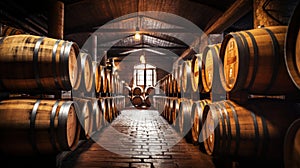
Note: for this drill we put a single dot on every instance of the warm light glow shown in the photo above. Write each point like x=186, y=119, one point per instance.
x=137, y=36
x=142, y=59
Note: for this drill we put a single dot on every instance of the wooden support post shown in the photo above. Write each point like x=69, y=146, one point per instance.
x=272, y=12
x=94, y=48
x=56, y=19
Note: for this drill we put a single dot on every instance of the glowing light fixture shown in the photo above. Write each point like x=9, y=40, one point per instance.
x=137, y=35
x=142, y=59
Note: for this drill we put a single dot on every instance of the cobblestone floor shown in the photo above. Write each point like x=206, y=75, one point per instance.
x=137, y=138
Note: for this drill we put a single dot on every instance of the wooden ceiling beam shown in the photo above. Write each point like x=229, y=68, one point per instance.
x=236, y=11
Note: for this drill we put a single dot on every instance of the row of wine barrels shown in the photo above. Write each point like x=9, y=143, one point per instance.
x=140, y=101
x=292, y=47
x=255, y=131
x=253, y=60
x=38, y=126
x=292, y=145
x=9, y=30
x=159, y=103
x=40, y=63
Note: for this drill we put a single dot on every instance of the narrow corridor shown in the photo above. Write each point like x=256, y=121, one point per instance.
x=137, y=138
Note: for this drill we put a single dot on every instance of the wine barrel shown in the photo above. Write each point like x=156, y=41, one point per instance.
x=8, y=31
x=292, y=47
x=85, y=83
x=251, y=132
x=127, y=91
x=109, y=110
x=96, y=116
x=211, y=72
x=84, y=112
x=149, y=90
x=254, y=61
x=108, y=81
x=96, y=75
x=197, y=113
x=148, y=101
x=137, y=100
x=137, y=90
x=197, y=66
x=292, y=145
x=175, y=112
x=170, y=85
x=40, y=63
x=186, y=78
x=184, y=118
x=159, y=103
x=103, y=82
x=38, y=126
x=105, y=115
x=179, y=81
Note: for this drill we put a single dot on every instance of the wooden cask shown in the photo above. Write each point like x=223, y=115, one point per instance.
x=137, y=90
x=40, y=63
x=196, y=69
x=252, y=132
x=184, y=118
x=8, y=31
x=137, y=100
x=85, y=83
x=96, y=76
x=292, y=47
x=253, y=60
x=175, y=112
x=186, y=79
x=97, y=117
x=197, y=115
x=212, y=73
x=103, y=82
x=105, y=115
x=292, y=145
x=84, y=112
x=35, y=126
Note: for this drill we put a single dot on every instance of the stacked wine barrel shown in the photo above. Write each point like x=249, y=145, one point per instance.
x=239, y=99
x=54, y=95
x=141, y=97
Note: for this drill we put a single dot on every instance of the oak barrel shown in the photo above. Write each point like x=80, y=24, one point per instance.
x=292, y=47
x=38, y=126
x=137, y=90
x=96, y=75
x=186, y=78
x=103, y=82
x=84, y=112
x=292, y=145
x=8, y=31
x=85, y=82
x=197, y=66
x=184, y=118
x=212, y=74
x=105, y=115
x=197, y=113
x=253, y=60
x=96, y=115
x=252, y=132
x=39, y=63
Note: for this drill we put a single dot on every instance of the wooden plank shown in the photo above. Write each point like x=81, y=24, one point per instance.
x=230, y=16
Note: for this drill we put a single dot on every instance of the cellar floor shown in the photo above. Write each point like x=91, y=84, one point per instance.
x=137, y=138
